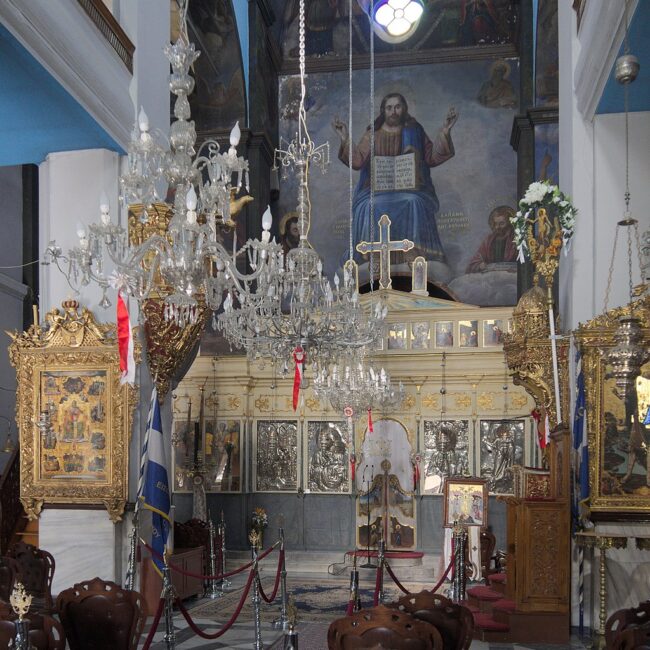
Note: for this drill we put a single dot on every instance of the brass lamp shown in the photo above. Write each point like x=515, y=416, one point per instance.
x=628, y=354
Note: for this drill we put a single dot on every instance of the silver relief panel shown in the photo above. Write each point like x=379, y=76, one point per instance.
x=328, y=457
x=276, y=467
x=502, y=446
x=446, y=452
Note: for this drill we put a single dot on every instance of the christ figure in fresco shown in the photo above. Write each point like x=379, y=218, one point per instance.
x=412, y=211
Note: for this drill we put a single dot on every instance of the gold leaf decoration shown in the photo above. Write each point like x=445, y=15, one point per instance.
x=486, y=401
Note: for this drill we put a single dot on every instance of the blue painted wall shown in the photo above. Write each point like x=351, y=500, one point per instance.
x=612, y=100
x=37, y=115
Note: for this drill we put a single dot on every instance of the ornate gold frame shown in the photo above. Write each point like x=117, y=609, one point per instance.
x=594, y=338
x=72, y=342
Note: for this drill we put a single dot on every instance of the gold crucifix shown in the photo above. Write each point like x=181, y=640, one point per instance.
x=384, y=247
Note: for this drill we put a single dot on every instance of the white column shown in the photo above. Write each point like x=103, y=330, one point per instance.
x=70, y=186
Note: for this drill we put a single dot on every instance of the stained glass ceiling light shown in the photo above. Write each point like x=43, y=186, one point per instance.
x=397, y=17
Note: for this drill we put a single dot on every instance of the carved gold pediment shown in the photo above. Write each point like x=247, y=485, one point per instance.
x=64, y=328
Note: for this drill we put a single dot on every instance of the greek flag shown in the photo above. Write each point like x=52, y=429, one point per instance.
x=581, y=492
x=153, y=487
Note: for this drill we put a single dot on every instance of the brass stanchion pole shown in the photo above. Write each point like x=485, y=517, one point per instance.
x=222, y=535
x=257, y=600
x=382, y=558
x=354, y=586
x=20, y=603
x=213, y=589
x=129, y=582
x=168, y=595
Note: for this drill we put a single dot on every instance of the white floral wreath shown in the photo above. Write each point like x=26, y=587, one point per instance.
x=541, y=194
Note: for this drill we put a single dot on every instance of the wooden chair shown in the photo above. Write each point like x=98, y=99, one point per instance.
x=623, y=619
x=191, y=534
x=101, y=615
x=8, y=573
x=489, y=563
x=454, y=622
x=36, y=571
x=636, y=637
x=382, y=627
x=45, y=632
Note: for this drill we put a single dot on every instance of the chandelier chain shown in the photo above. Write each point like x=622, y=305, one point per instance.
x=629, y=263
x=351, y=243
x=611, y=270
x=372, y=152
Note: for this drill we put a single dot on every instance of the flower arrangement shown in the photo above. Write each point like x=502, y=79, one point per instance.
x=259, y=520
x=541, y=195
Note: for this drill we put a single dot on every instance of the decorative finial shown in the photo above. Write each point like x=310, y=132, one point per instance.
x=20, y=600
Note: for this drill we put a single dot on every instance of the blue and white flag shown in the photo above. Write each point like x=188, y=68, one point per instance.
x=580, y=443
x=153, y=486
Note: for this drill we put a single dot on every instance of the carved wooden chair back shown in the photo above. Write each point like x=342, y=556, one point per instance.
x=382, y=627
x=488, y=544
x=99, y=614
x=625, y=618
x=8, y=573
x=454, y=622
x=36, y=571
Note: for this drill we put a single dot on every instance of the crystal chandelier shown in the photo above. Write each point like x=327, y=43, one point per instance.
x=296, y=307
x=186, y=257
x=277, y=305
x=354, y=386
x=629, y=353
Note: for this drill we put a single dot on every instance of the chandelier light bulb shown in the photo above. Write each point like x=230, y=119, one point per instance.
x=267, y=218
x=235, y=135
x=190, y=199
x=143, y=120
x=104, y=208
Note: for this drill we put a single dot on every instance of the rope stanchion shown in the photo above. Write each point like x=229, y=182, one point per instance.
x=354, y=604
x=200, y=576
x=228, y=624
x=154, y=625
x=271, y=598
x=282, y=622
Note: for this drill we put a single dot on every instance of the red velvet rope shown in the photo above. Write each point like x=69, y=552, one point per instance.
x=219, y=576
x=271, y=598
x=375, y=598
x=154, y=625
x=228, y=625
x=396, y=581
x=437, y=586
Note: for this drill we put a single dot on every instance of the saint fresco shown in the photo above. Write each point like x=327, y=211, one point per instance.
x=445, y=172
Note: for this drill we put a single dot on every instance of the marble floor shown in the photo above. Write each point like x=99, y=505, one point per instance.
x=311, y=636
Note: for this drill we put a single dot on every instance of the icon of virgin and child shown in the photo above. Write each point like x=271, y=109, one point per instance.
x=404, y=157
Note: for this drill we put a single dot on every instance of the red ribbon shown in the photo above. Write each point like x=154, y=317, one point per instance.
x=123, y=327
x=371, y=429
x=416, y=476
x=353, y=466
x=299, y=358
x=541, y=432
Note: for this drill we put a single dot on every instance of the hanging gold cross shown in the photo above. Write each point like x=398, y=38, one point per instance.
x=384, y=247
